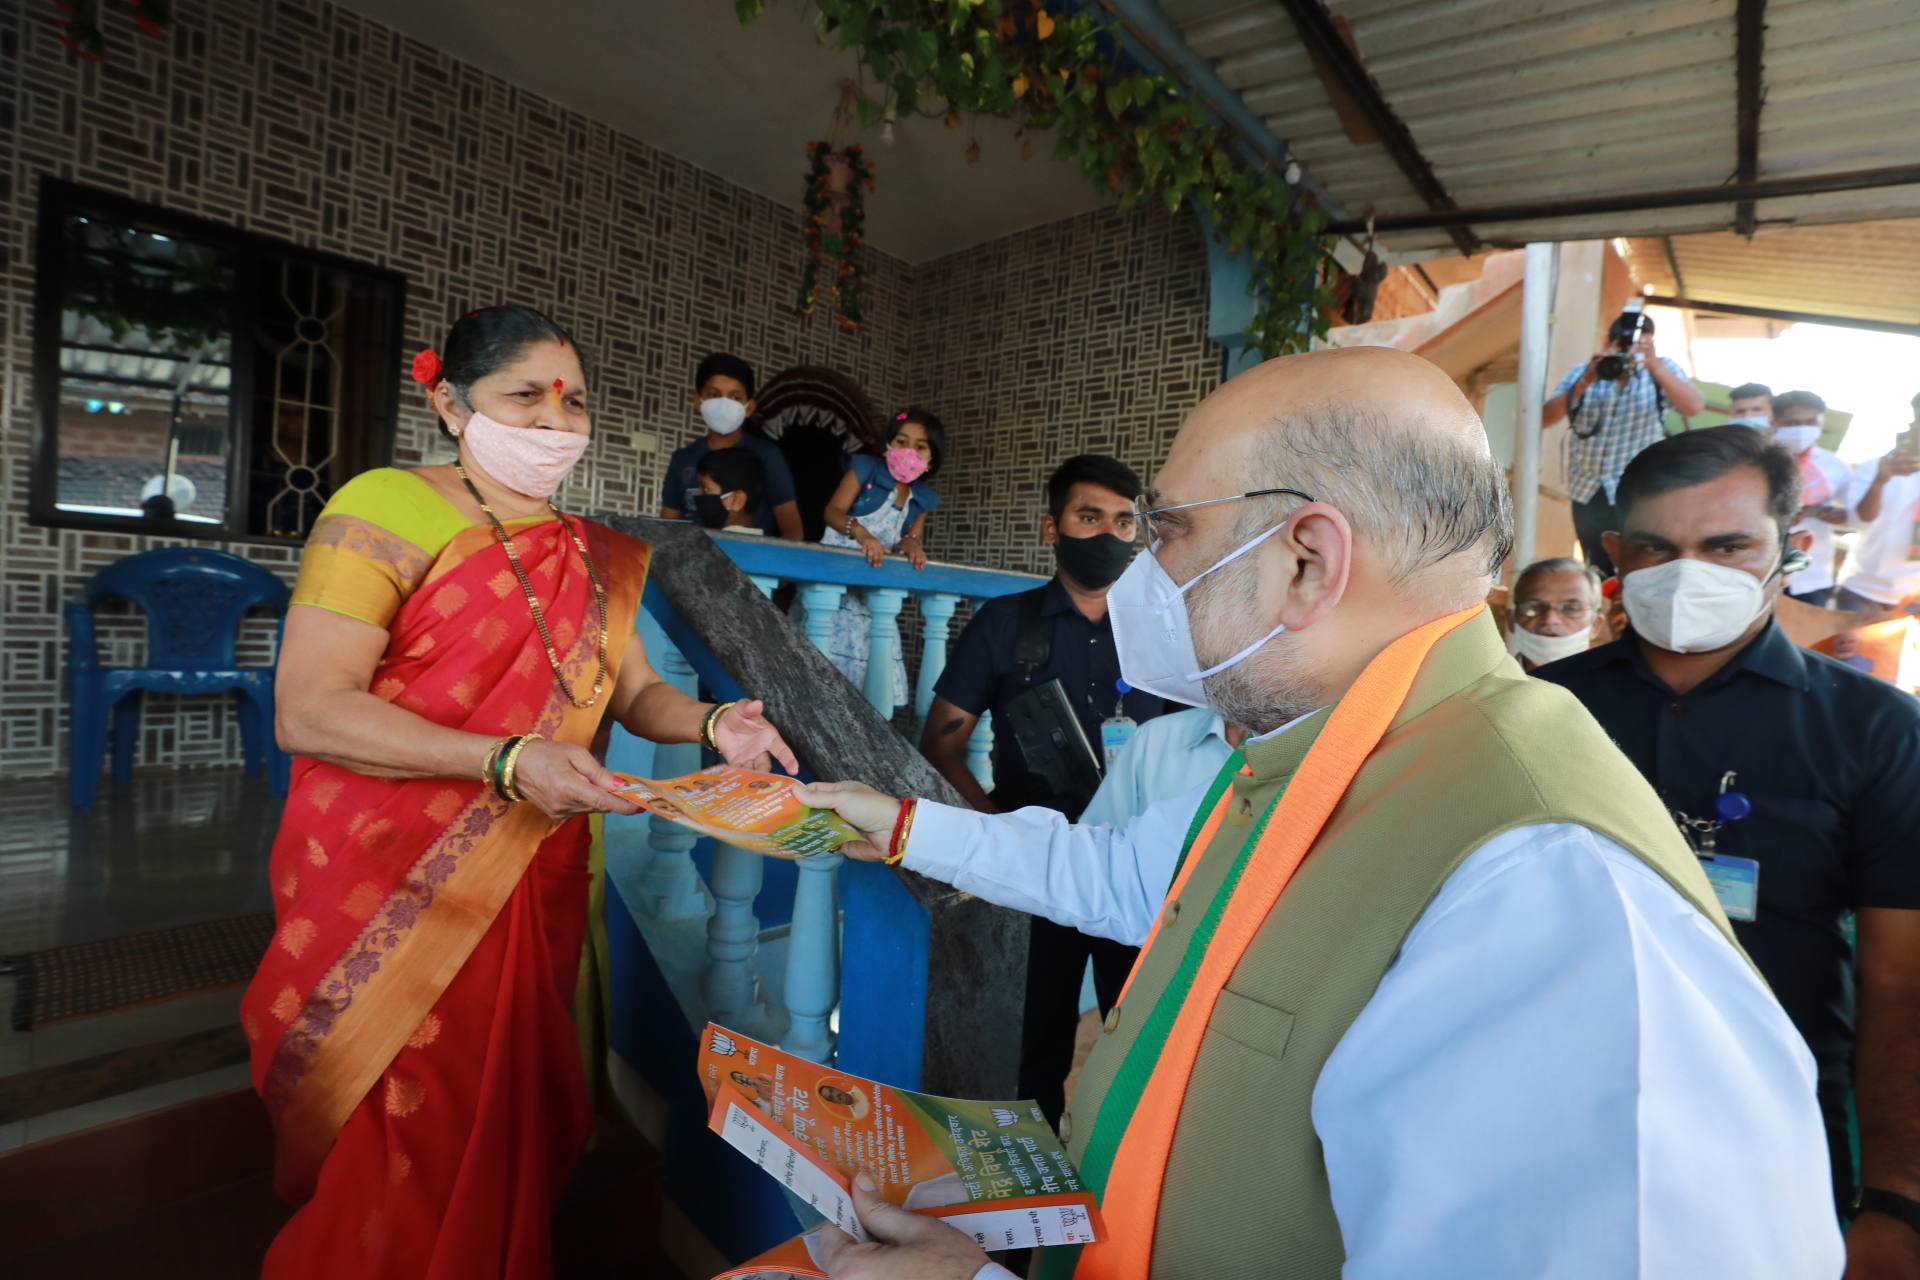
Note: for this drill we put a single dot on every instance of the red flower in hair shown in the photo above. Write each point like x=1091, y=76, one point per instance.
x=426, y=368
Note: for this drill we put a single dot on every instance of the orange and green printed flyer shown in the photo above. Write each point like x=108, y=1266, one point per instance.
x=995, y=1170
x=752, y=810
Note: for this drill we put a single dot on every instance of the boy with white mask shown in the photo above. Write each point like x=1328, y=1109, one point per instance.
x=723, y=389
x=1796, y=777
x=1828, y=487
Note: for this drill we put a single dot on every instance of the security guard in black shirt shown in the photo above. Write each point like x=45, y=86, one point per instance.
x=1796, y=778
x=1013, y=646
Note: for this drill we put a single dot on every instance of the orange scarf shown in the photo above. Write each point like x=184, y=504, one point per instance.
x=1131, y=1205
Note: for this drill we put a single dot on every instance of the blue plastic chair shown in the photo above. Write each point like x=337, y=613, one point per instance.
x=193, y=600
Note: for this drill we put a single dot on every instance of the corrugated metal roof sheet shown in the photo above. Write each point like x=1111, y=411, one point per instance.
x=1869, y=270
x=1524, y=100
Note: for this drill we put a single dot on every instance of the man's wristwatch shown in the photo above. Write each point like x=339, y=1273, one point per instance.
x=1891, y=1203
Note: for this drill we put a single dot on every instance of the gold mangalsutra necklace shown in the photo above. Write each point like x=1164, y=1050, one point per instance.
x=533, y=601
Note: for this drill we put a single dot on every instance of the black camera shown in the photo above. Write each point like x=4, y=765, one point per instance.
x=1626, y=329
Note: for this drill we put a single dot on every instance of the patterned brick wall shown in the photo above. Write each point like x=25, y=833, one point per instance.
x=302, y=121
x=1087, y=335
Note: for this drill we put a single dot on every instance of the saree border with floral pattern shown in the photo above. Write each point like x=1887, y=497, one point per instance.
x=383, y=886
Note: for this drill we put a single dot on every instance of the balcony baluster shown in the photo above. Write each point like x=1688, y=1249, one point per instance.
x=884, y=604
x=936, y=617
x=730, y=984
x=672, y=885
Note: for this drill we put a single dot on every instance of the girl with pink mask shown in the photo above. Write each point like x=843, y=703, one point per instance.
x=881, y=506
x=454, y=644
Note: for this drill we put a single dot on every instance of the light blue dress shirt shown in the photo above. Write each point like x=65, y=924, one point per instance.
x=1167, y=755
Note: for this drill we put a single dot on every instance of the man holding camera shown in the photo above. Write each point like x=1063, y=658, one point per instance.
x=1615, y=407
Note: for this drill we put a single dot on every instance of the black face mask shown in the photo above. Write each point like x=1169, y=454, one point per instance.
x=1093, y=562
x=710, y=509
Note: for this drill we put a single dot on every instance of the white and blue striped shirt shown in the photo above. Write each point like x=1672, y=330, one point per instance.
x=1611, y=424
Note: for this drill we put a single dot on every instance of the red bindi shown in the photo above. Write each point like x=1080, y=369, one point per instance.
x=559, y=385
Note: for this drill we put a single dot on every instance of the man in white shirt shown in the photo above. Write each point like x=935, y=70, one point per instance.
x=1826, y=487
x=1884, y=568
x=1458, y=1042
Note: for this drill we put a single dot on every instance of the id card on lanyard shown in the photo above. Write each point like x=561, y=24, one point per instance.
x=1735, y=881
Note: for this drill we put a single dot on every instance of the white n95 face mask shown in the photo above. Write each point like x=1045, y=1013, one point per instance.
x=1796, y=440
x=1690, y=606
x=723, y=416
x=1152, y=635
x=1540, y=650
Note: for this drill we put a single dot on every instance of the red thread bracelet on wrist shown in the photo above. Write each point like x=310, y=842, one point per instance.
x=902, y=822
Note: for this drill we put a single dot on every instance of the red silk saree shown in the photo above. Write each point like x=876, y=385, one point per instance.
x=410, y=1025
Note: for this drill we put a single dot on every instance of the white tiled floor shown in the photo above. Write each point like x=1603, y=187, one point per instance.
x=164, y=850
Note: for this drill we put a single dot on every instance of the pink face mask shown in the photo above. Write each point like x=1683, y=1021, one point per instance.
x=528, y=460
x=905, y=465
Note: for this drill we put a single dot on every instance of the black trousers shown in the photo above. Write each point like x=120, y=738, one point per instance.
x=1590, y=520
x=1056, y=962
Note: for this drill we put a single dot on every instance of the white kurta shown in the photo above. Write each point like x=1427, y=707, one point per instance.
x=1567, y=1072
x=1836, y=486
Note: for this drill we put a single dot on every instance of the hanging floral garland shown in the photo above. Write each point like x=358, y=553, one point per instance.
x=1049, y=64
x=81, y=32
x=836, y=213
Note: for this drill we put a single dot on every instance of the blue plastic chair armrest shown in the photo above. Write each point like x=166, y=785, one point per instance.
x=82, y=649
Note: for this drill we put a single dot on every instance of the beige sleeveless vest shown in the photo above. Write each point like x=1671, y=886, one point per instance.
x=1477, y=749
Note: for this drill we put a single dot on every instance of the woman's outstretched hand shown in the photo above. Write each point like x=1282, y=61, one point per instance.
x=905, y=1246
x=871, y=813
x=746, y=739
x=564, y=780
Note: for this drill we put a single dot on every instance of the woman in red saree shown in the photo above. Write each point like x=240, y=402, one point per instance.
x=454, y=647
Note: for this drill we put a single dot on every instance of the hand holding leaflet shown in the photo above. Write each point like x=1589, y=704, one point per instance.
x=994, y=1170
x=756, y=811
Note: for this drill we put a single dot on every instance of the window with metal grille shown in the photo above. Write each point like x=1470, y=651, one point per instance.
x=197, y=380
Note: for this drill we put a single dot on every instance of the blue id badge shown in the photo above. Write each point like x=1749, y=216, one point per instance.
x=1736, y=882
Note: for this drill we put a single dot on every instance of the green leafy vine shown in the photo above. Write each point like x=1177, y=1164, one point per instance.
x=1138, y=135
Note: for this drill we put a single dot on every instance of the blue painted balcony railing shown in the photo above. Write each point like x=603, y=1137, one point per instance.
x=761, y=944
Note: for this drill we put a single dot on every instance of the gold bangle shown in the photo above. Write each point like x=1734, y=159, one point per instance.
x=507, y=767
x=486, y=764
x=707, y=726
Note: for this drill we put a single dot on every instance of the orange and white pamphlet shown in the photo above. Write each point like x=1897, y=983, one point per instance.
x=995, y=1170
x=752, y=810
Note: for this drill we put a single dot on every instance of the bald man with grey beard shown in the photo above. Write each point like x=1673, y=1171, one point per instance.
x=1431, y=985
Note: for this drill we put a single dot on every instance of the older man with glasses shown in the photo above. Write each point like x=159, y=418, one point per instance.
x=1557, y=612
x=1431, y=985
